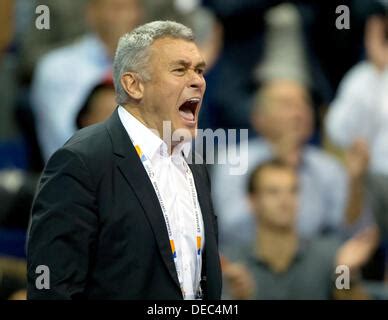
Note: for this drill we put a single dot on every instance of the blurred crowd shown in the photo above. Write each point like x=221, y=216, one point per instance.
x=313, y=96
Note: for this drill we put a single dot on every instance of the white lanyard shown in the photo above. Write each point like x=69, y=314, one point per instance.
x=198, y=236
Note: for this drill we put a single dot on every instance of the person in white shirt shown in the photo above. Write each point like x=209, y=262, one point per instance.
x=358, y=117
x=359, y=111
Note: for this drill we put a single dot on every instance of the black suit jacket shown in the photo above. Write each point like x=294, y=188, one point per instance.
x=98, y=226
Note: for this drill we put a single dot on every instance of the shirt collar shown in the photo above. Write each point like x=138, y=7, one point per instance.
x=147, y=139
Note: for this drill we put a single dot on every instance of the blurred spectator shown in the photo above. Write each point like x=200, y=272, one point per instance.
x=333, y=51
x=18, y=295
x=359, y=113
x=17, y=189
x=67, y=22
x=360, y=109
x=64, y=76
x=231, y=82
x=296, y=38
x=378, y=190
x=284, y=54
x=98, y=106
x=6, y=30
x=280, y=264
x=13, y=280
x=283, y=116
x=7, y=62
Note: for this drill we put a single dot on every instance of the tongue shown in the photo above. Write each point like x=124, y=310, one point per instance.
x=186, y=114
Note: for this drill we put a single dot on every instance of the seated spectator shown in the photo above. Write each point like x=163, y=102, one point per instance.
x=283, y=115
x=279, y=264
x=65, y=76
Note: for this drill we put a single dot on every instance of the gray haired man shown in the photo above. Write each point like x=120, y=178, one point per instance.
x=119, y=213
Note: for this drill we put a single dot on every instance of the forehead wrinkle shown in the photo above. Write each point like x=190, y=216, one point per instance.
x=187, y=63
x=182, y=62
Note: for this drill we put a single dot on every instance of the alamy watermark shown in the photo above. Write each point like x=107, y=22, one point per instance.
x=221, y=146
x=342, y=280
x=343, y=19
x=42, y=21
x=42, y=281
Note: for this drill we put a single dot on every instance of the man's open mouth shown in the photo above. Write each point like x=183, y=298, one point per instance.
x=188, y=110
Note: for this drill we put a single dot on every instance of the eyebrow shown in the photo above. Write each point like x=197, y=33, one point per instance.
x=185, y=63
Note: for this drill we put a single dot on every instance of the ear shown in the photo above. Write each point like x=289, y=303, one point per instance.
x=132, y=85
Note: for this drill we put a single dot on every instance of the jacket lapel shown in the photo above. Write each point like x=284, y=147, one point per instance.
x=131, y=167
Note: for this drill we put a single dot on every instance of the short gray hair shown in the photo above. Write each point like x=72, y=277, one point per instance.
x=132, y=51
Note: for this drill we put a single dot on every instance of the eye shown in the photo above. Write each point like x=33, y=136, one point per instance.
x=200, y=71
x=179, y=71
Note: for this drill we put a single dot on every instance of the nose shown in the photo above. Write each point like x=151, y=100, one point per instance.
x=197, y=80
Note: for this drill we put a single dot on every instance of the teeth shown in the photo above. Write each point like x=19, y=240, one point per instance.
x=194, y=100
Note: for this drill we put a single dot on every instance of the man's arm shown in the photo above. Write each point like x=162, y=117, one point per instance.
x=63, y=230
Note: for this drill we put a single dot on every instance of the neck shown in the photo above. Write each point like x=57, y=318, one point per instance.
x=277, y=247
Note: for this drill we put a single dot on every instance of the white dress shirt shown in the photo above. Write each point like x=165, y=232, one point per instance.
x=175, y=191
x=360, y=110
